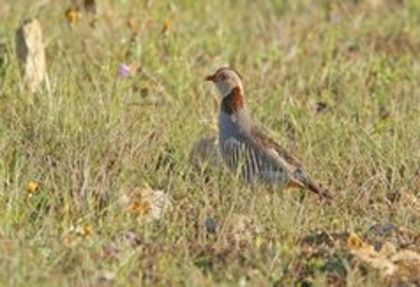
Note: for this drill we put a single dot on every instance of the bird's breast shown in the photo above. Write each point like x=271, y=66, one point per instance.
x=228, y=127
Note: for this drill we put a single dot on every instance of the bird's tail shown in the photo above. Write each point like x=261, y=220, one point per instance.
x=319, y=190
x=309, y=184
x=302, y=177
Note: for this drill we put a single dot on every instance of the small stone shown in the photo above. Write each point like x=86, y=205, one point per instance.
x=241, y=228
x=384, y=113
x=321, y=107
x=132, y=238
x=383, y=229
x=106, y=277
x=211, y=225
x=124, y=71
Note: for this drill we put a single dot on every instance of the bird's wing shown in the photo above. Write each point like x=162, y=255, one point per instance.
x=232, y=149
x=267, y=143
x=281, y=158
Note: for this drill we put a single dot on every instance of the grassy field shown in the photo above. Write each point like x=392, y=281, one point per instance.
x=337, y=83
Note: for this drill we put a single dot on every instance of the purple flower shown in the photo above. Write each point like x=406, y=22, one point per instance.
x=124, y=71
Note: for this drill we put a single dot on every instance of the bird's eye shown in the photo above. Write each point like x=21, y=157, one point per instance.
x=223, y=77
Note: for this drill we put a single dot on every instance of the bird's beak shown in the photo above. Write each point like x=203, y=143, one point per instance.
x=211, y=78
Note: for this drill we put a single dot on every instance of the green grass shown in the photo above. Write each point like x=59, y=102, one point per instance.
x=90, y=137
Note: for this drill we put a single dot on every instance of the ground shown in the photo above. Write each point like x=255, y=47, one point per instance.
x=336, y=82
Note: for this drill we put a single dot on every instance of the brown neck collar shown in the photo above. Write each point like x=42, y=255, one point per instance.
x=233, y=102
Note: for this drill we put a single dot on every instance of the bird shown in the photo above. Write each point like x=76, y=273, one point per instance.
x=246, y=149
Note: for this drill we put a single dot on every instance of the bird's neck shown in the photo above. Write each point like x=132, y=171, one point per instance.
x=233, y=102
x=234, y=108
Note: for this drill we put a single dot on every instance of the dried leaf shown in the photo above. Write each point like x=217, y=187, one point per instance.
x=72, y=16
x=354, y=242
x=32, y=187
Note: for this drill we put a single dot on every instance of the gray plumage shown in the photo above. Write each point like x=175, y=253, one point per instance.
x=245, y=149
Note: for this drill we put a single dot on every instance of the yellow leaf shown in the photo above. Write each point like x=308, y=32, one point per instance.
x=32, y=187
x=354, y=241
x=133, y=25
x=140, y=207
x=72, y=15
x=258, y=242
x=84, y=231
x=87, y=230
x=166, y=26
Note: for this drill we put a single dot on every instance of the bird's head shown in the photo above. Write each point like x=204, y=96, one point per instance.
x=226, y=80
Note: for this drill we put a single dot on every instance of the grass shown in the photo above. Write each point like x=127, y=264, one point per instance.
x=90, y=137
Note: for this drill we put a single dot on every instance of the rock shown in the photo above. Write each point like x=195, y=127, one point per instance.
x=132, y=238
x=399, y=266
x=383, y=229
x=106, y=278
x=31, y=54
x=147, y=203
x=211, y=225
x=241, y=229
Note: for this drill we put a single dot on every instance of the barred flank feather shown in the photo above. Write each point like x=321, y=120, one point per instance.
x=250, y=163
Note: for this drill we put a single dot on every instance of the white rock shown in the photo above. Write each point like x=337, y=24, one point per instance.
x=31, y=54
